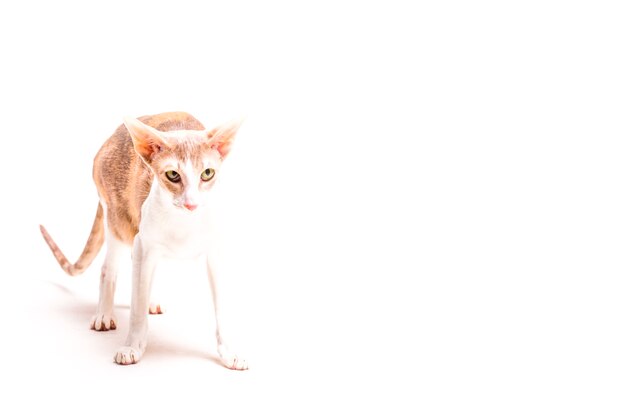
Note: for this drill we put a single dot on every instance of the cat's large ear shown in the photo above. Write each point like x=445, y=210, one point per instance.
x=146, y=140
x=221, y=138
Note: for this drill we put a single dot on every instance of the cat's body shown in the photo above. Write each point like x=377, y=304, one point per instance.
x=153, y=177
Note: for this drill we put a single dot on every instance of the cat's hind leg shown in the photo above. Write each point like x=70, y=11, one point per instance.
x=156, y=297
x=156, y=308
x=104, y=319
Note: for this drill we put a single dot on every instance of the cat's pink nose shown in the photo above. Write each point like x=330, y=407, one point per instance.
x=190, y=207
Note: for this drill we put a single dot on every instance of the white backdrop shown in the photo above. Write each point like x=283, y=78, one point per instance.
x=423, y=213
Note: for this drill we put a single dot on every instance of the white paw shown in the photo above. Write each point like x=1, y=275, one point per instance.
x=230, y=360
x=156, y=308
x=127, y=355
x=103, y=322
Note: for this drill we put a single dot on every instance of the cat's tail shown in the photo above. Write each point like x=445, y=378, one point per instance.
x=92, y=247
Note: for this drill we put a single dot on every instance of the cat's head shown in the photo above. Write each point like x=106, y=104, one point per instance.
x=185, y=163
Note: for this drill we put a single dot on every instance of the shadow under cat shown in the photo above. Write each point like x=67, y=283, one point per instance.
x=77, y=311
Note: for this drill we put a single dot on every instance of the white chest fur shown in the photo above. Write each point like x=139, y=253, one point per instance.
x=175, y=232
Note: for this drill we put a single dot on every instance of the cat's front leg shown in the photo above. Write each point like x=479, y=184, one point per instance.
x=144, y=264
x=229, y=358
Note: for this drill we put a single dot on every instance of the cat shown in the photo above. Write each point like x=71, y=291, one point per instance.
x=153, y=176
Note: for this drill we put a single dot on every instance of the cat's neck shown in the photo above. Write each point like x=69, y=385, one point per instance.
x=177, y=231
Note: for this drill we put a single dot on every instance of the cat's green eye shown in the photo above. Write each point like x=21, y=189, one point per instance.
x=172, y=176
x=207, y=174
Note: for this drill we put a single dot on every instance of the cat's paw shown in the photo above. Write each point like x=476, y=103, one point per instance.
x=103, y=322
x=127, y=355
x=156, y=308
x=230, y=360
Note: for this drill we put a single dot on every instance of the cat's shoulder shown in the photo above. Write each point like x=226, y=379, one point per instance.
x=176, y=120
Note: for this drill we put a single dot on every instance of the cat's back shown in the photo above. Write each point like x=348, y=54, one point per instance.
x=120, y=143
x=122, y=179
x=116, y=159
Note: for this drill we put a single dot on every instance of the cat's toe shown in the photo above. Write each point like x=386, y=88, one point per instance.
x=103, y=322
x=127, y=355
x=156, y=308
x=235, y=363
x=232, y=361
